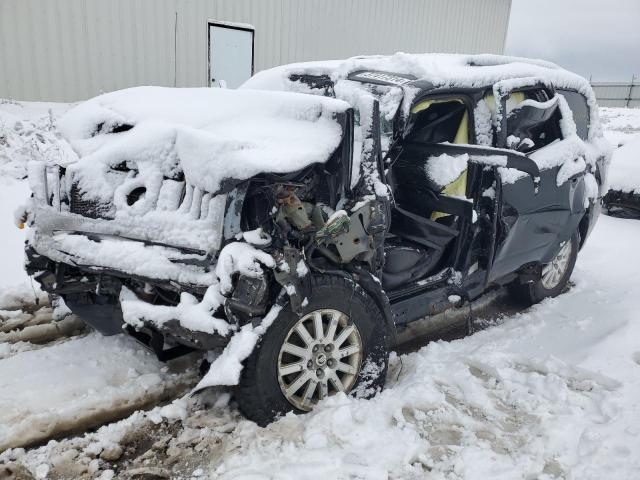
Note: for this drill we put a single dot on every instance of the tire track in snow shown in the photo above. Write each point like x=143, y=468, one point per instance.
x=32, y=327
x=78, y=384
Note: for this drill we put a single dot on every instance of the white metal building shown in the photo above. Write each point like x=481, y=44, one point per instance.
x=67, y=50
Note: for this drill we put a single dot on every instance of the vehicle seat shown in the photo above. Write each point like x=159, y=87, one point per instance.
x=414, y=248
x=406, y=262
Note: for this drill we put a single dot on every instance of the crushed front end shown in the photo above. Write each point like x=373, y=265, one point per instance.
x=82, y=251
x=141, y=234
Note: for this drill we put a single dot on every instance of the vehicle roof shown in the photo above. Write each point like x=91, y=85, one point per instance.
x=428, y=71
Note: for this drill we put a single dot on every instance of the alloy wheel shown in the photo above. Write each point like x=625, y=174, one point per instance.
x=321, y=355
x=553, y=272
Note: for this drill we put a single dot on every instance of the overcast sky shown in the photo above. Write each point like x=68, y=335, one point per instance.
x=599, y=38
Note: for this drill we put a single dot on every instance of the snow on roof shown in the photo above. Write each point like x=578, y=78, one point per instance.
x=215, y=134
x=439, y=69
x=436, y=70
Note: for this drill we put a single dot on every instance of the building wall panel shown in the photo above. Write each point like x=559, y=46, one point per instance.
x=66, y=50
x=617, y=94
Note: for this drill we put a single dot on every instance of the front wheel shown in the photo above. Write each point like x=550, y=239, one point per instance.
x=554, y=275
x=338, y=343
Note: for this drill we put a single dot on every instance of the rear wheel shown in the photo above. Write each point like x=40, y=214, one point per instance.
x=553, y=278
x=338, y=343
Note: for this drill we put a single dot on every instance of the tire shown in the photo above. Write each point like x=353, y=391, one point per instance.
x=260, y=393
x=547, y=285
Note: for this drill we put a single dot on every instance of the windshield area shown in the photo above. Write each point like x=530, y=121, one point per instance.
x=361, y=90
x=362, y=97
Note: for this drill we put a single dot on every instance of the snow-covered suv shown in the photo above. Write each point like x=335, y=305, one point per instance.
x=296, y=225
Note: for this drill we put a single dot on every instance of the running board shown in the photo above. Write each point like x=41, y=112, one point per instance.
x=448, y=318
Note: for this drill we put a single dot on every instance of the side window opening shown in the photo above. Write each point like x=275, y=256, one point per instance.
x=535, y=123
x=439, y=121
x=533, y=120
x=578, y=105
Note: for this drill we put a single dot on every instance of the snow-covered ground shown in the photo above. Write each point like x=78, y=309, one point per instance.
x=620, y=124
x=78, y=383
x=554, y=390
x=551, y=392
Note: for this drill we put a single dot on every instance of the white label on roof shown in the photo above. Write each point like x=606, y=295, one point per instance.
x=381, y=77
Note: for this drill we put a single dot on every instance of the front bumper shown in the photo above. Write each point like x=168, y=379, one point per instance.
x=93, y=294
x=125, y=257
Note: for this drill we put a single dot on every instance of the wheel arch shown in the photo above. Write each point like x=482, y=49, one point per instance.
x=372, y=286
x=584, y=228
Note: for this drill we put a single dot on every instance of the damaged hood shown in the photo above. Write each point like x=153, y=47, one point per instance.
x=155, y=164
x=210, y=135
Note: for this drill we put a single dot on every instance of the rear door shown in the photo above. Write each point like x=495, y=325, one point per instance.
x=534, y=220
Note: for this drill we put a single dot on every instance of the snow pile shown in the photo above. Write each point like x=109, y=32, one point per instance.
x=445, y=169
x=226, y=368
x=624, y=174
x=189, y=313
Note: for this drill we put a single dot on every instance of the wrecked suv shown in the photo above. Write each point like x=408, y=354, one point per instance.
x=297, y=227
